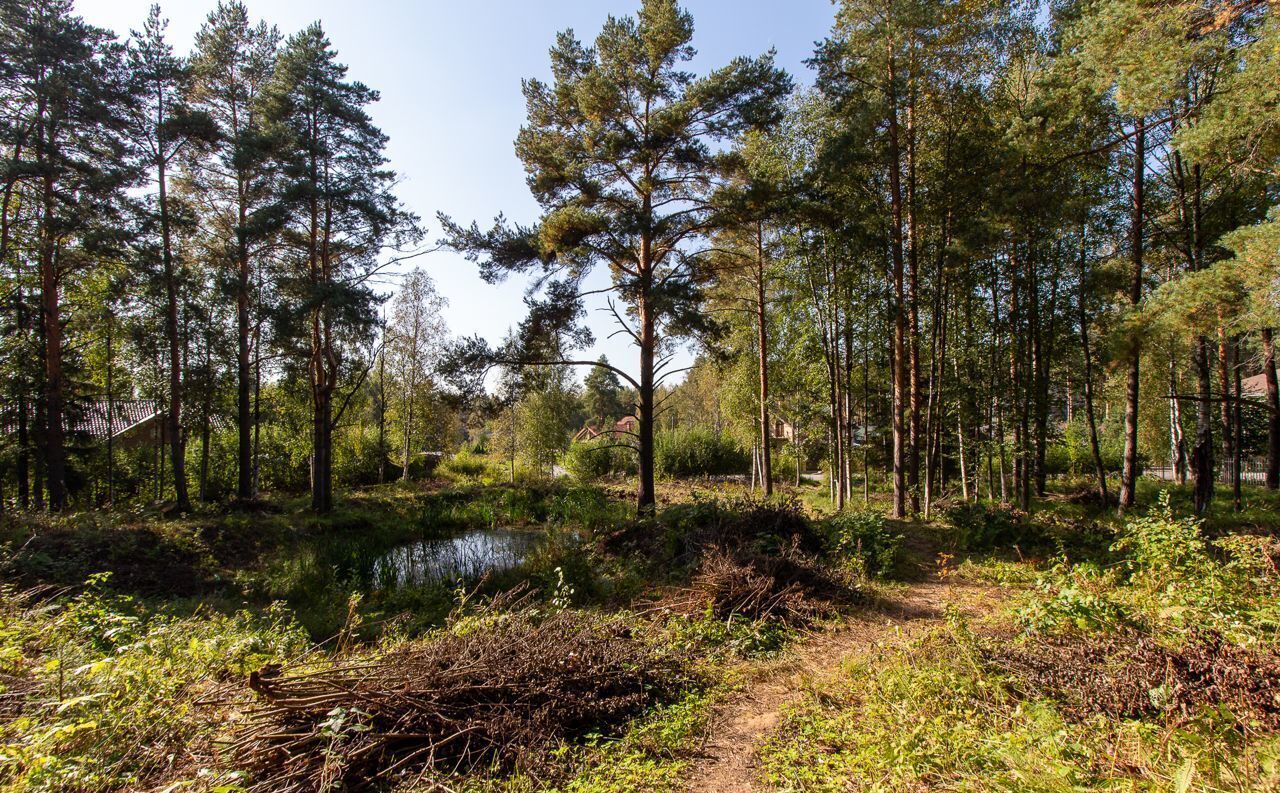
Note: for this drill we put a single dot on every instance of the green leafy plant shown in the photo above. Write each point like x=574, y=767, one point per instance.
x=863, y=538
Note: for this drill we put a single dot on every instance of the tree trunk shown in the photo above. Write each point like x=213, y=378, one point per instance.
x=408, y=431
x=173, y=419
x=1237, y=473
x=244, y=372
x=1129, y=476
x=20, y=324
x=1273, y=402
x=1202, y=451
x=646, y=495
x=111, y=414
x=1095, y=448
x=382, y=415
x=1177, y=443
x=1224, y=387
x=913, y=309
x=54, y=387
x=898, y=364
x=762, y=340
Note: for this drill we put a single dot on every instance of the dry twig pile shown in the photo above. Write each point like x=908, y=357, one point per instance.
x=1134, y=677
x=790, y=587
x=493, y=698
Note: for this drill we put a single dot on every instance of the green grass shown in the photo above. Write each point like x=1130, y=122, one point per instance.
x=934, y=714
x=931, y=715
x=105, y=691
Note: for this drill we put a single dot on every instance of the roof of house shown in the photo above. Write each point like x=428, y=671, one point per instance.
x=1254, y=386
x=590, y=431
x=90, y=418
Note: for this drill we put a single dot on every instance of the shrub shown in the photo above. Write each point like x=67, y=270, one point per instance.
x=981, y=527
x=765, y=526
x=784, y=462
x=1072, y=452
x=1163, y=546
x=1077, y=597
x=463, y=465
x=863, y=538
x=108, y=693
x=588, y=461
x=698, y=452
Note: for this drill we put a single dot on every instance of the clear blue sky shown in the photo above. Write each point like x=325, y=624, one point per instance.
x=449, y=72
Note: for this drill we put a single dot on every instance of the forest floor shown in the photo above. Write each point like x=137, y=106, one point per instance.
x=975, y=651
x=739, y=726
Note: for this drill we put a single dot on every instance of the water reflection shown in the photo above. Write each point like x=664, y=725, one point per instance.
x=464, y=556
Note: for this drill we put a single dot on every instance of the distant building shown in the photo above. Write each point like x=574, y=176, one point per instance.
x=622, y=428
x=129, y=423
x=782, y=431
x=1255, y=386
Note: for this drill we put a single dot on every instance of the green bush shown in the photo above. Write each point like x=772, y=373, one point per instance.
x=698, y=452
x=1170, y=580
x=983, y=527
x=115, y=689
x=463, y=465
x=595, y=459
x=1072, y=453
x=863, y=538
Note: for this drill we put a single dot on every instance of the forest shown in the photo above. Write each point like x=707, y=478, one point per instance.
x=946, y=454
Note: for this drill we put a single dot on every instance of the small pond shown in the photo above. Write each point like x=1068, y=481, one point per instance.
x=466, y=556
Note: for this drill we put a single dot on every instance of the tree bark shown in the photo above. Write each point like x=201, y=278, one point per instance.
x=244, y=373
x=646, y=495
x=898, y=363
x=1237, y=473
x=762, y=340
x=1129, y=475
x=1273, y=400
x=54, y=386
x=173, y=419
x=1095, y=448
x=1202, y=451
x=1224, y=387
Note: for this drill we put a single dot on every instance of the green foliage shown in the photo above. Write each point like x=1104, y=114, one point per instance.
x=108, y=689
x=588, y=461
x=1072, y=454
x=983, y=527
x=737, y=636
x=602, y=395
x=1080, y=597
x=932, y=714
x=863, y=538
x=1165, y=548
x=1170, y=580
x=464, y=466
x=698, y=452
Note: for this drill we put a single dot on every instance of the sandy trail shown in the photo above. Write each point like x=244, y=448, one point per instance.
x=727, y=763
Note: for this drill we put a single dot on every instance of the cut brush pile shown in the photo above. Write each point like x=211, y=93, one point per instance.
x=790, y=587
x=494, y=698
x=1134, y=677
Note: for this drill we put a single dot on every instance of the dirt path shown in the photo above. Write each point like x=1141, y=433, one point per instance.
x=727, y=764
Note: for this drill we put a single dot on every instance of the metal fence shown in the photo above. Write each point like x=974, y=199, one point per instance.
x=1253, y=470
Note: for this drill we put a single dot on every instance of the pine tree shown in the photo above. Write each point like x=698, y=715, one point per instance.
x=618, y=149
x=163, y=126
x=66, y=99
x=337, y=213
x=602, y=394
x=231, y=66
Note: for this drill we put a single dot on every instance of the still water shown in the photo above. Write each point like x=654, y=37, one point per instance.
x=464, y=556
